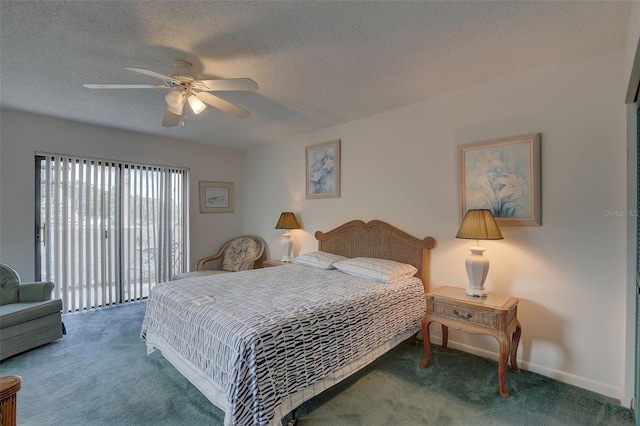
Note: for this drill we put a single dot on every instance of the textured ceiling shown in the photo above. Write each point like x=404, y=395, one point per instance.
x=318, y=64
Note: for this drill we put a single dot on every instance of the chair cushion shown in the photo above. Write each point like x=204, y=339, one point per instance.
x=9, y=281
x=237, y=251
x=17, y=313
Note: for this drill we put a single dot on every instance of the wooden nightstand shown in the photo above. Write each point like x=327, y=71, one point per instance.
x=272, y=263
x=495, y=315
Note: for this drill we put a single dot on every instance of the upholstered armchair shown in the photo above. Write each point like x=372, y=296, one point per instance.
x=28, y=315
x=239, y=254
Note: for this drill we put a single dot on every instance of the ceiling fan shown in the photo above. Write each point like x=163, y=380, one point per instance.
x=187, y=88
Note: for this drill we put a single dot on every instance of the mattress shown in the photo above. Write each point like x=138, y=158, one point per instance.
x=259, y=343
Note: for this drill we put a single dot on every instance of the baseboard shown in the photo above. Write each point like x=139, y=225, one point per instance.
x=562, y=376
x=627, y=402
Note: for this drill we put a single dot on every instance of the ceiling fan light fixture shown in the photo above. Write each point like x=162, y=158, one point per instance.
x=174, y=99
x=176, y=110
x=196, y=104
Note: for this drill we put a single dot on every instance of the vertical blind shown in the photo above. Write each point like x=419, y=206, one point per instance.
x=109, y=230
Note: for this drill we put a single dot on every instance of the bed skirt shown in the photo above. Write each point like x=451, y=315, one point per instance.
x=215, y=393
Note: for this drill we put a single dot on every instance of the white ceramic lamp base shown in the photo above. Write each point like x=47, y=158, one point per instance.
x=286, y=244
x=477, y=269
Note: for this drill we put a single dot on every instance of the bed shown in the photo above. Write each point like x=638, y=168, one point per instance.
x=259, y=343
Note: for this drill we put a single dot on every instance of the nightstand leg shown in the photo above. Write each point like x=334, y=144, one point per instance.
x=426, y=342
x=515, y=340
x=504, y=342
x=445, y=338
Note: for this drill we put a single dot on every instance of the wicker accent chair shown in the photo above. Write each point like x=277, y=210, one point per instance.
x=239, y=254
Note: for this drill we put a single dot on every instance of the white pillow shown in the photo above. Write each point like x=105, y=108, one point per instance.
x=382, y=270
x=319, y=259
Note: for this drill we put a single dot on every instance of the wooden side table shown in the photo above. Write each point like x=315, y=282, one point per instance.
x=9, y=387
x=272, y=263
x=495, y=315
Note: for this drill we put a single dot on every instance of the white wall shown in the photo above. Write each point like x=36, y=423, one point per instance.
x=21, y=135
x=401, y=167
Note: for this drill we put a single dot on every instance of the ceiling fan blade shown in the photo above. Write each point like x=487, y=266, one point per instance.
x=226, y=84
x=125, y=86
x=152, y=74
x=223, y=105
x=170, y=119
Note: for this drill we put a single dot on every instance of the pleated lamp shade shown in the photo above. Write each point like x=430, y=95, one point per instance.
x=287, y=221
x=479, y=224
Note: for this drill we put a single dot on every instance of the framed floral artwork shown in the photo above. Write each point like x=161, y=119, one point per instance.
x=323, y=170
x=216, y=197
x=502, y=176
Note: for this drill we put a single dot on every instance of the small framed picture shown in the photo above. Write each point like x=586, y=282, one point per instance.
x=503, y=176
x=323, y=170
x=216, y=197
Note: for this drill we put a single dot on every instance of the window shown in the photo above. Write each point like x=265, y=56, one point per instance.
x=108, y=231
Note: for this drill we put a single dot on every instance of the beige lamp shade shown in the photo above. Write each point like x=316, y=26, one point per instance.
x=287, y=221
x=479, y=224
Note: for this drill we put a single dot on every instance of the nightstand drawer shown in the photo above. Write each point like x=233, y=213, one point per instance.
x=485, y=319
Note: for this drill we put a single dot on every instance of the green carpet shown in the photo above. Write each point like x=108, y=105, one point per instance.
x=99, y=374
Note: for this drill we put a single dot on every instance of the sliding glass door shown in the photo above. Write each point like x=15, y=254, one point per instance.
x=107, y=231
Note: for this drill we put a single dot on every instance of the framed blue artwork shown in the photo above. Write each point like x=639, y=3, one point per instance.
x=323, y=170
x=503, y=176
x=216, y=197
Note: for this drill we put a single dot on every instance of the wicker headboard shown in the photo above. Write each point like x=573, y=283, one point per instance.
x=380, y=240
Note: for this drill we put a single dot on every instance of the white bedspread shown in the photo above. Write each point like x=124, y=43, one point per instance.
x=258, y=343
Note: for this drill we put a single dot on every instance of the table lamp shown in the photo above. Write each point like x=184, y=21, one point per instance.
x=478, y=224
x=287, y=221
